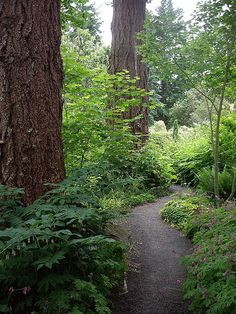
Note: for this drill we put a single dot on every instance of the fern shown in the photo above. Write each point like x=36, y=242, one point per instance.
x=49, y=256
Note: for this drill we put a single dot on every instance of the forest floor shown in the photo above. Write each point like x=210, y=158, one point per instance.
x=155, y=271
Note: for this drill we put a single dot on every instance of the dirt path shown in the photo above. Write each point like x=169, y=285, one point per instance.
x=156, y=273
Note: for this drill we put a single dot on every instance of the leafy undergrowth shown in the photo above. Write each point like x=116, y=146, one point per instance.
x=211, y=278
x=120, y=201
x=56, y=256
x=180, y=212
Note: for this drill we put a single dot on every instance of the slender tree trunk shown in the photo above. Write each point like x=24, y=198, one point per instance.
x=128, y=21
x=233, y=187
x=218, y=120
x=31, y=152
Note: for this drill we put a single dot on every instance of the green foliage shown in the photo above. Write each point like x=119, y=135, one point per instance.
x=57, y=257
x=206, y=182
x=82, y=53
x=193, y=153
x=190, y=110
x=79, y=14
x=180, y=212
x=93, y=126
x=10, y=206
x=9, y=197
x=177, y=212
x=210, y=46
x=165, y=33
x=194, y=158
x=155, y=167
x=228, y=141
x=141, y=199
x=121, y=200
x=98, y=140
x=211, y=268
x=114, y=200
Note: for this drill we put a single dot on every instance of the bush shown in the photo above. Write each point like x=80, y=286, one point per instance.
x=126, y=181
x=155, y=167
x=206, y=182
x=121, y=201
x=193, y=154
x=56, y=256
x=177, y=212
x=140, y=199
x=228, y=141
x=181, y=212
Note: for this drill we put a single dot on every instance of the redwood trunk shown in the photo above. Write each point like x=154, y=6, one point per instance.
x=128, y=21
x=31, y=152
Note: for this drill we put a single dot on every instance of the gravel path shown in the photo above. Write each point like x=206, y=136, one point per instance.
x=155, y=274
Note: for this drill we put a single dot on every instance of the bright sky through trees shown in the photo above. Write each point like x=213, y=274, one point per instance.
x=105, y=10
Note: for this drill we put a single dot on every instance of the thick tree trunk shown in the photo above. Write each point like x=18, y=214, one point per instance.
x=31, y=152
x=128, y=21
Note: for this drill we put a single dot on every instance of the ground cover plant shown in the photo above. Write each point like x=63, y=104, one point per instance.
x=211, y=268
x=211, y=278
x=181, y=212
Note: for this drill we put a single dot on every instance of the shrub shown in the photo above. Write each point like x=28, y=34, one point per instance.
x=193, y=154
x=114, y=201
x=177, y=212
x=121, y=201
x=206, y=182
x=190, y=110
x=181, y=212
x=228, y=141
x=146, y=172
x=141, y=199
x=155, y=167
x=56, y=257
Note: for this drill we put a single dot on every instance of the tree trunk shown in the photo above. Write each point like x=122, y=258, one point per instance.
x=128, y=20
x=31, y=152
x=218, y=118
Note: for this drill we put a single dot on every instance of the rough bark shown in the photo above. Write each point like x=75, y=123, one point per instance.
x=31, y=152
x=128, y=21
